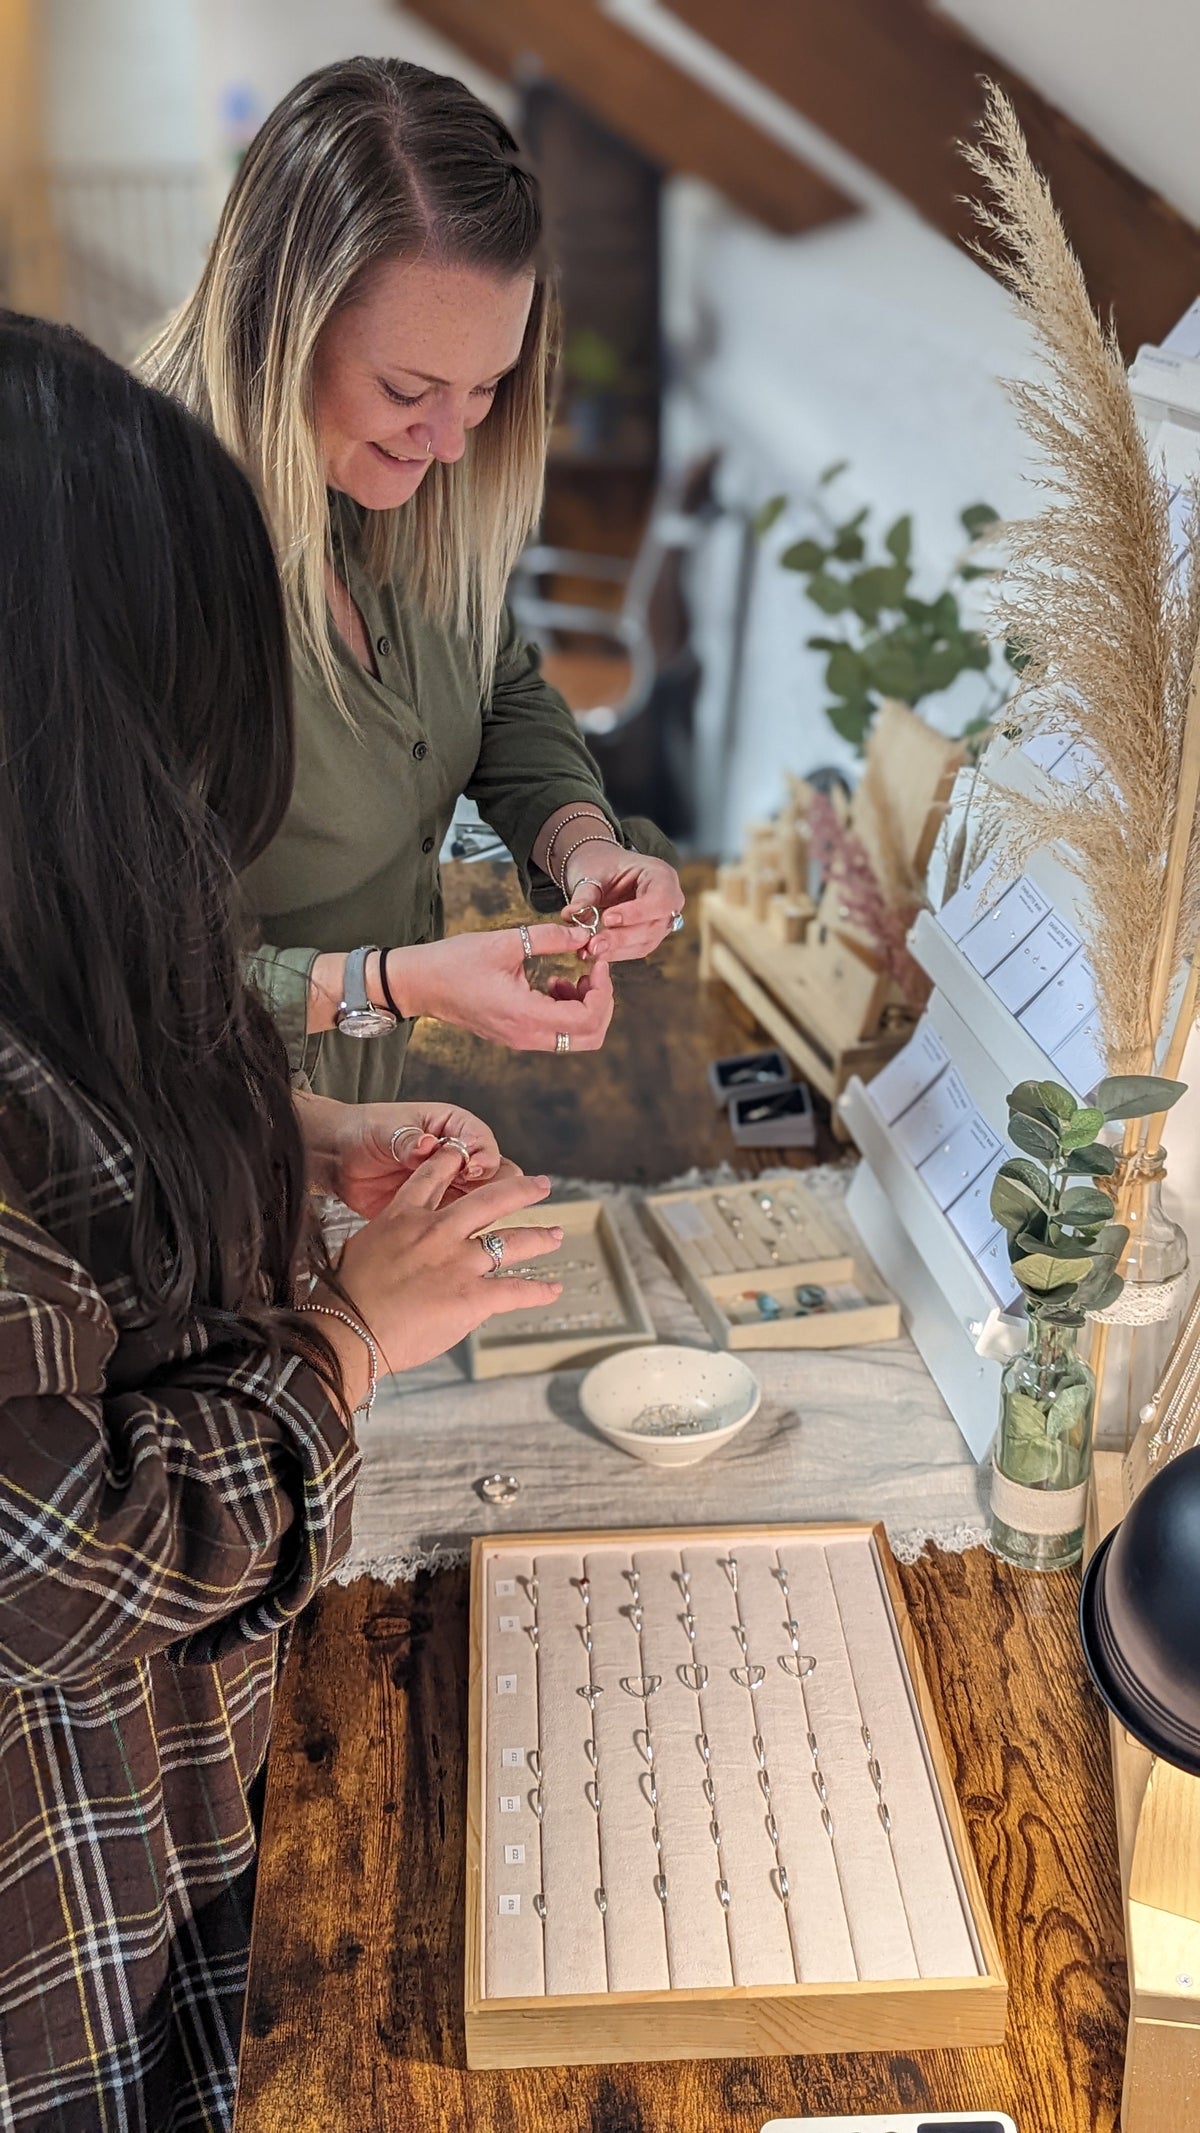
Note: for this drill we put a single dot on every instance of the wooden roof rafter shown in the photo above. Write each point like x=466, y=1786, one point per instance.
x=655, y=105
x=899, y=85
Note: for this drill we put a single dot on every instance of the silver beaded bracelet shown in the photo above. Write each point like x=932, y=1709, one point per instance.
x=569, y=854
x=326, y=1311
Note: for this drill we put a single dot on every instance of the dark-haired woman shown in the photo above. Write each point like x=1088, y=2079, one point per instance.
x=177, y=1445
x=373, y=336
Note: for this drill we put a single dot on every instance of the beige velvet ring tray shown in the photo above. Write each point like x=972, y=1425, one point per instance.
x=710, y=1813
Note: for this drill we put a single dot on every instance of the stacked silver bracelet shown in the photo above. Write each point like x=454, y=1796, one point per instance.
x=327, y=1311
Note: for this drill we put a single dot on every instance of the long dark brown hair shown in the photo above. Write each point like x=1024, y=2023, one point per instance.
x=146, y=758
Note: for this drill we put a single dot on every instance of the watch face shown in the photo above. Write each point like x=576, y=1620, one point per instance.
x=365, y=1022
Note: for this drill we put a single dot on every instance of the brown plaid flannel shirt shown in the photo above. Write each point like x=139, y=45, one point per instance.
x=166, y=1509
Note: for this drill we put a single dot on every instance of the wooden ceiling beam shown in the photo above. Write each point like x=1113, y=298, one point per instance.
x=645, y=98
x=899, y=85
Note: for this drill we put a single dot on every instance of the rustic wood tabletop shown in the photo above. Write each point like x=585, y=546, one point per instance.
x=355, y=2021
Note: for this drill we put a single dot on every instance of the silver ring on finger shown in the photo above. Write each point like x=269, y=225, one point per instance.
x=401, y=1133
x=562, y=1042
x=526, y=943
x=451, y=1140
x=493, y=1245
x=676, y=925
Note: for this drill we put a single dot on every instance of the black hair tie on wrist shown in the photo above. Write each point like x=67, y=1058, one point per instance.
x=385, y=988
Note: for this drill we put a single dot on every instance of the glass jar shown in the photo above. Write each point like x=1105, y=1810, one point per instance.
x=1144, y=1320
x=1042, y=1455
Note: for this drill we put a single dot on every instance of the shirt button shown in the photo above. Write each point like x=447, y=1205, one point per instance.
x=383, y=646
x=427, y=844
x=421, y=750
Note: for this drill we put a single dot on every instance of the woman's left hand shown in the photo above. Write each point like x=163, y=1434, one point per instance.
x=638, y=899
x=376, y=1146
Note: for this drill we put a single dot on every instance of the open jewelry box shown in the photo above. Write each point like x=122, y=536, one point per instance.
x=742, y=1252
x=600, y=1310
x=709, y=1812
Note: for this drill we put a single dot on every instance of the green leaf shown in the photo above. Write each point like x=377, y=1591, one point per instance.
x=977, y=518
x=1030, y=1460
x=1100, y=1291
x=829, y=594
x=805, y=555
x=846, y=672
x=1044, y=1271
x=1034, y=1240
x=893, y=671
x=1016, y=656
x=976, y=654
x=968, y=572
x=849, y=546
x=1025, y=1416
x=1027, y=1098
x=1097, y=1161
x=1137, y=1095
x=872, y=591
x=1083, y=1128
x=1012, y=1202
x=765, y=517
x=831, y=473
x=1033, y=1137
x=824, y=644
x=898, y=539
x=1054, y=1098
x=1028, y=1174
x=852, y=719
x=1068, y=1407
x=1084, y=1204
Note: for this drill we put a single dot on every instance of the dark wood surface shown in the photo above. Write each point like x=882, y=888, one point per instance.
x=354, y=2020
x=898, y=83
x=643, y=96
x=640, y=1110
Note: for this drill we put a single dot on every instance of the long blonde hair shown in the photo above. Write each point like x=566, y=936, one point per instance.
x=366, y=161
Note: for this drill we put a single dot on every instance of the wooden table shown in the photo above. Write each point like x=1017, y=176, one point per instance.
x=354, y=2021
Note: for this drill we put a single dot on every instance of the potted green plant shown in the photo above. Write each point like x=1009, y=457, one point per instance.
x=889, y=643
x=1064, y=1249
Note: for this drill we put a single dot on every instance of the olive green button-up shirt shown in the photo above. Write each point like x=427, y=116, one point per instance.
x=357, y=858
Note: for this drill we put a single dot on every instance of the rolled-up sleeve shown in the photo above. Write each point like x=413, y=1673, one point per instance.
x=534, y=760
x=281, y=977
x=194, y=1512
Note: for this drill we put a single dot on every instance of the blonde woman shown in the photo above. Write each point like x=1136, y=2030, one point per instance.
x=373, y=337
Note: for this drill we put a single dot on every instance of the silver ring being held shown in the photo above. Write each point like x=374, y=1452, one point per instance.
x=451, y=1140
x=676, y=925
x=562, y=1042
x=526, y=943
x=493, y=1245
x=404, y=1133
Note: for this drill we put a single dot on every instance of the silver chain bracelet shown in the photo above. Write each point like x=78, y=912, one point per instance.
x=326, y=1311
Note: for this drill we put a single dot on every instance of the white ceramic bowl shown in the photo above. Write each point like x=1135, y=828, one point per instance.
x=716, y=1388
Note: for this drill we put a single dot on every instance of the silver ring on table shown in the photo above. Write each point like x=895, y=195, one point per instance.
x=526, y=943
x=401, y=1133
x=676, y=925
x=493, y=1245
x=562, y=1042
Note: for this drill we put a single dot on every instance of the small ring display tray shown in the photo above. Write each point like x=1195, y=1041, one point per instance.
x=709, y=1811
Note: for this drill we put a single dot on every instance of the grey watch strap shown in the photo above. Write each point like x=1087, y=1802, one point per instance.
x=355, y=998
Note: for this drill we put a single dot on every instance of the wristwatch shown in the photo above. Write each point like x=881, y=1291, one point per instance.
x=358, y=1015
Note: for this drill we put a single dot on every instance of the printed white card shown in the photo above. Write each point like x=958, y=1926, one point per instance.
x=1057, y=1011
x=933, y=1117
x=1024, y=973
x=995, y=935
x=514, y=1855
x=993, y=1264
x=971, y=1214
x=968, y=903
x=1080, y=1061
x=512, y=1758
x=958, y=1159
x=505, y=1588
x=510, y=1803
x=509, y=1623
x=510, y=1906
x=506, y=1684
x=910, y=1073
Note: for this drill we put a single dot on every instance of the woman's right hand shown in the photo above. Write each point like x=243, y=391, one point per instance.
x=478, y=981
x=417, y=1275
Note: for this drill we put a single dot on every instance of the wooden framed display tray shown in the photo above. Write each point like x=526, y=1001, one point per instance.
x=600, y=1310
x=709, y=1813
x=729, y=1244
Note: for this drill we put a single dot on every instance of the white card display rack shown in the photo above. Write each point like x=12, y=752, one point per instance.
x=955, y=1293
x=709, y=1811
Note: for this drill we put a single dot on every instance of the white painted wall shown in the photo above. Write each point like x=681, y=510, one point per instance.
x=120, y=80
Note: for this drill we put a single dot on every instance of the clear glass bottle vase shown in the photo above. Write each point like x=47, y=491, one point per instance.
x=1144, y=1320
x=1042, y=1455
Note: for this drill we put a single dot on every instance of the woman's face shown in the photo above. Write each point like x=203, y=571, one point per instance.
x=405, y=370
